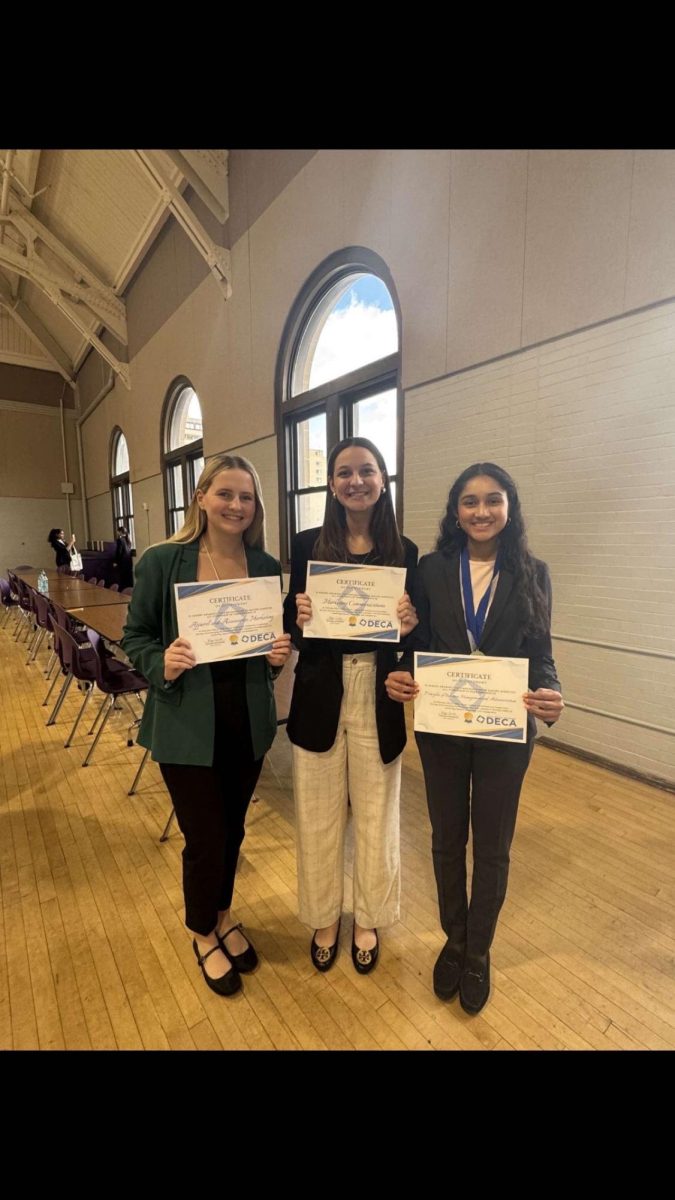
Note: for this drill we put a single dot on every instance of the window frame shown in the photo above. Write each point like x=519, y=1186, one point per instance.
x=335, y=398
x=120, y=489
x=183, y=457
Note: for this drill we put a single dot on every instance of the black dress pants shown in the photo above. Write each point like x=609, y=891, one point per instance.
x=211, y=803
x=477, y=781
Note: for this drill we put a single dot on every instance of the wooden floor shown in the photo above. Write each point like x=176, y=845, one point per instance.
x=94, y=954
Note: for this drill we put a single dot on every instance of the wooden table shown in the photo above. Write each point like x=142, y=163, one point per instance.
x=93, y=597
x=73, y=593
x=107, y=619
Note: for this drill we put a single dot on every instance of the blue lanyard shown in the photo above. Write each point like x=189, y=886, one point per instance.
x=475, y=620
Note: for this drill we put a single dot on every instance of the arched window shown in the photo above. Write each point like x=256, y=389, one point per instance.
x=182, y=450
x=120, y=487
x=337, y=376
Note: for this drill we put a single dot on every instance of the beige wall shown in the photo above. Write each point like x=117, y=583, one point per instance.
x=586, y=425
x=31, y=473
x=511, y=269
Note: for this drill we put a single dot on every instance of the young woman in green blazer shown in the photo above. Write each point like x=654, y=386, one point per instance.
x=208, y=726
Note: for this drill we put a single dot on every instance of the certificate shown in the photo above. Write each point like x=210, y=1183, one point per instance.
x=471, y=695
x=352, y=602
x=229, y=618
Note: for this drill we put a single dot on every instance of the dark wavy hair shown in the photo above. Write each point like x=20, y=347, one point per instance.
x=331, y=544
x=53, y=536
x=513, y=545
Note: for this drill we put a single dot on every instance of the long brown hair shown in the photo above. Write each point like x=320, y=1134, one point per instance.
x=331, y=544
x=513, y=545
x=195, y=518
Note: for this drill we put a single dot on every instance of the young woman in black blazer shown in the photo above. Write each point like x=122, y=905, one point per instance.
x=481, y=591
x=347, y=734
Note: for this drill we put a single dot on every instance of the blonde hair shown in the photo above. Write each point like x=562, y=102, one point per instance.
x=195, y=518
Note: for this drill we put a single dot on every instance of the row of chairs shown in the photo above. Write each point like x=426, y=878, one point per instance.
x=114, y=587
x=79, y=653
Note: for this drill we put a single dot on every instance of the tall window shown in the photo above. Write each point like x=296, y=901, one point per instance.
x=120, y=487
x=337, y=376
x=183, y=453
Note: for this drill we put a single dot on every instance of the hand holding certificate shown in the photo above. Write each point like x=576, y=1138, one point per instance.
x=230, y=618
x=471, y=695
x=354, y=602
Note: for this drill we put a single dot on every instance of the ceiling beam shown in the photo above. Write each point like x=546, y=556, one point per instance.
x=217, y=257
x=31, y=324
x=203, y=186
x=64, y=305
x=79, y=280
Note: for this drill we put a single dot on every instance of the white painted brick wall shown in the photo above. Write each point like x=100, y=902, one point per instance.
x=586, y=425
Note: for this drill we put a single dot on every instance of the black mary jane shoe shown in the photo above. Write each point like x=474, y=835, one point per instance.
x=323, y=957
x=228, y=984
x=365, y=960
x=474, y=986
x=245, y=962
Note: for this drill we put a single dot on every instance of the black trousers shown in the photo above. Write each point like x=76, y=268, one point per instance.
x=478, y=781
x=211, y=803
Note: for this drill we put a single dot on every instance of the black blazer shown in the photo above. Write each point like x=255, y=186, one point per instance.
x=318, y=690
x=442, y=625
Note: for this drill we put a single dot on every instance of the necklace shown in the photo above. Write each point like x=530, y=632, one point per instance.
x=362, y=559
x=213, y=565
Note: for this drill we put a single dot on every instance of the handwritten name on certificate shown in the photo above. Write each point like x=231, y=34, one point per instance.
x=471, y=695
x=230, y=618
x=354, y=602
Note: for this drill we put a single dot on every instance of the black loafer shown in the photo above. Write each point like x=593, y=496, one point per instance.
x=474, y=985
x=448, y=971
x=245, y=962
x=365, y=960
x=228, y=984
x=323, y=957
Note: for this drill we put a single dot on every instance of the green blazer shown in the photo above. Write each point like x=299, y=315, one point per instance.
x=178, y=724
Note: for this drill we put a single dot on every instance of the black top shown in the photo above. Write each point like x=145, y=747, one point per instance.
x=442, y=624
x=62, y=553
x=318, y=690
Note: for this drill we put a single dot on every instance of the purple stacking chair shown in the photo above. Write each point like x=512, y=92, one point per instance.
x=115, y=680
x=83, y=662
x=24, y=609
x=42, y=611
x=59, y=616
x=101, y=583
x=63, y=652
x=7, y=599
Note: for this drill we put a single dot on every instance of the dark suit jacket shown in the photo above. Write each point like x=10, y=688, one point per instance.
x=442, y=625
x=317, y=694
x=178, y=723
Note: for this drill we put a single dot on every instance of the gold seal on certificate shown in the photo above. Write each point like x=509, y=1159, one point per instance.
x=230, y=618
x=353, y=602
x=471, y=695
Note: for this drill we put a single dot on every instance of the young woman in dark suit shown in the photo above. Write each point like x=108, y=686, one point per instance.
x=481, y=591
x=208, y=726
x=123, y=559
x=347, y=734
